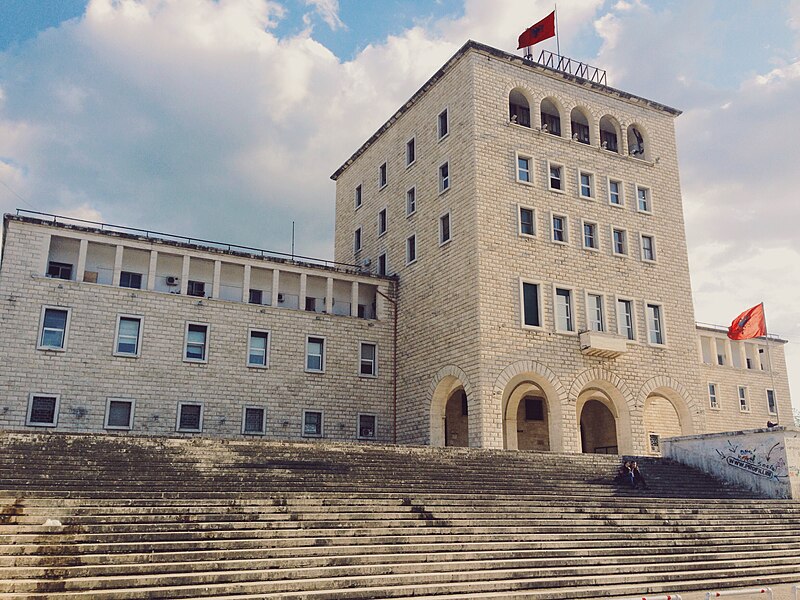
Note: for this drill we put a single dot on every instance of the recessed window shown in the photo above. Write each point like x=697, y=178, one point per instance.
x=643, y=202
x=411, y=201
x=128, y=279
x=357, y=240
x=367, y=427
x=42, y=410
x=444, y=177
x=444, y=229
x=531, y=304
x=586, y=184
x=129, y=330
x=595, y=310
x=59, y=270
x=655, y=443
x=619, y=240
x=258, y=349
x=590, y=239
x=315, y=354
x=382, y=176
x=411, y=249
x=368, y=366
x=196, y=343
x=534, y=409
x=190, y=417
x=443, y=124
x=312, y=423
x=382, y=222
x=256, y=296
x=648, y=248
x=196, y=288
x=519, y=111
x=560, y=232
x=565, y=320
x=556, y=177
x=615, y=193
x=655, y=324
x=524, y=171
x=53, y=328
x=713, y=400
x=411, y=151
x=119, y=413
x=772, y=405
x=254, y=420
x=382, y=265
x=358, y=197
x=744, y=402
x=527, y=221
x=625, y=318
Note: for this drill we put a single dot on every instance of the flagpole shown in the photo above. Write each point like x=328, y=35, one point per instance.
x=558, y=44
x=771, y=368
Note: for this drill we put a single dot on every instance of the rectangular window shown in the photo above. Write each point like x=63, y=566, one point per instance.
x=411, y=151
x=127, y=279
x=196, y=345
x=119, y=414
x=312, y=423
x=713, y=401
x=643, y=199
x=357, y=240
x=444, y=229
x=519, y=114
x=744, y=404
x=655, y=324
x=586, y=181
x=596, y=312
x=254, y=420
x=53, y=329
x=648, y=248
x=556, y=177
x=580, y=132
x=590, y=241
x=524, y=169
x=42, y=410
x=358, y=198
x=258, y=349
x=367, y=426
x=382, y=268
x=620, y=242
x=382, y=176
x=564, y=315
x=190, y=417
x=411, y=249
x=608, y=140
x=560, y=229
x=128, y=334
x=256, y=296
x=58, y=270
x=527, y=221
x=772, y=405
x=534, y=409
x=443, y=124
x=315, y=354
x=625, y=319
x=369, y=360
x=381, y=222
x=444, y=177
x=531, y=305
x=615, y=197
x=411, y=201
x=655, y=443
x=196, y=288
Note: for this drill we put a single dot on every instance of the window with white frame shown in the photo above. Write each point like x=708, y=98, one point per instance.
x=524, y=171
x=368, y=357
x=531, y=304
x=564, y=310
x=626, y=321
x=744, y=402
x=648, y=248
x=619, y=242
x=643, y=201
x=713, y=399
x=358, y=198
x=382, y=176
x=444, y=229
x=53, y=328
x=258, y=348
x=411, y=249
x=411, y=151
x=254, y=420
x=443, y=124
x=556, y=176
x=444, y=177
x=190, y=417
x=129, y=331
x=315, y=354
x=357, y=240
x=411, y=201
x=367, y=426
x=196, y=343
x=312, y=423
x=655, y=324
x=595, y=312
x=615, y=193
x=772, y=405
x=590, y=238
x=586, y=184
x=42, y=410
x=527, y=221
x=382, y=264
x=119, y=413
x=382, y=222
x=560, y=231
x=128, y=279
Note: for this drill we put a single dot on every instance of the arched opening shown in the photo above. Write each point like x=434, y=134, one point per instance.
x=665, y=415
x=456, y=420
x=580, y=126
x=609, y=134
x=532, y=417
x=638, y=145
x=519, y=109
x=551, y=117
x=442, y=401
x=532, y=423
x=598, y=428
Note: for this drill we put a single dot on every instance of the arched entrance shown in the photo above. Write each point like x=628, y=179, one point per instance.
x=532, y=423
x=598, y=428
x=666, y=414
x=456, y=420
x=449, y=392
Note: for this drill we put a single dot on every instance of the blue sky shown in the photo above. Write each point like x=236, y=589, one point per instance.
x=223, y=119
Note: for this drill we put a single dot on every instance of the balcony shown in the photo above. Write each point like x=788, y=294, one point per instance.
x=602, y=345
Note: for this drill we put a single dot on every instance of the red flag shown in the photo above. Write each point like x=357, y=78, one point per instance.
x=749, y=324
x=546, y=28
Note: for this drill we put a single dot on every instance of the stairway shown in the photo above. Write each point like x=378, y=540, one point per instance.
x=112, y=517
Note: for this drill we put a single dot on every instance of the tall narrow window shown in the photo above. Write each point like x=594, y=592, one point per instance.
x=564, y=316
x=381, y=222
x=615, y=193
x=53, y=330
x=527, y=222
x=559, y=228
x=590, y=241
x=411, y=151
x=411, y=249
x=625, y=320
x=443, y=124
x=524, y=169
x=531, y=312
x=411, y=201
x=655, y=324
x=382, y=269
x=128, y=333
x=556, y=177
x=620, y=242
x=648, y=248
x=258, y=349
x=444, y=177
x=597, y=320
x=772, y=405
x=382, y=176
x=444, y=229
x=713, y=401
x=127, y=279
x=586, y=185
x=643, y=199
x=358, y=196
x=744, y=404
x=368, y=360
x=367, y=426
x=196, y=345
x=357, y=240
x=315, y=354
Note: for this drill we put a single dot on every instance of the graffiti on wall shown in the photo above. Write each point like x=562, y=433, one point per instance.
x=762, y=460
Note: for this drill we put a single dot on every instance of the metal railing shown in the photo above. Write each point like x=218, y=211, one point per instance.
x=573, y=67
x=745, y=592
x=665, y=597
x=724, y=329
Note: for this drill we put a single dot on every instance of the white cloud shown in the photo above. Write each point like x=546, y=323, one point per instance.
x=328, y=10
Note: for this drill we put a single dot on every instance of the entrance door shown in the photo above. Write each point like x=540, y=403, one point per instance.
x=598, y=429
x=456, y=420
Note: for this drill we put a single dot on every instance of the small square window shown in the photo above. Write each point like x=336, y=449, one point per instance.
x=619, y=240
x=713, y=400
x=444, y=177
x=556, y=177
x=586, y=181
x=358, y=197
x=382, y=265
x=368, y=360
x=127, y=279
x=524, y=172
x=643, y=202
x=315, y=354
x=648, y=248
x=119, y=413
x=258, y=349
x=443, y=124
x=560, y=229
x=382, y=222
x=411, y=151
x=411, y=249
x=59, y=270
x=53, y=328
x=196, y=288
x=312, y=423
x=590, y=239
x=444, y=229
x=256, y=296
x=534, y=409
x=367, y=427
x=42, y=410
x=411, y=201
x=615, y=193
x=128, y=336
x=254, y=420
x=196, y=343
x=382, y=176
x=190, y=417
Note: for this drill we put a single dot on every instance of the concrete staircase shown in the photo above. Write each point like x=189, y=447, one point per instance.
x=106, y=517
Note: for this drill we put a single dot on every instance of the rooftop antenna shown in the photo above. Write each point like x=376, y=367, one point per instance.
x=292, y=240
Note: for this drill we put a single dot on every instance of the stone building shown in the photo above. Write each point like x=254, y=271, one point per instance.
x=511, y=273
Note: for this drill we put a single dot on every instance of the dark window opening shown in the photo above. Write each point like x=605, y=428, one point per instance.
x=58, y=270
x=534, y=409
x=130, y=280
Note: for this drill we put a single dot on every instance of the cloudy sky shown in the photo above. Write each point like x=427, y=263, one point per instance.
x=224, y=118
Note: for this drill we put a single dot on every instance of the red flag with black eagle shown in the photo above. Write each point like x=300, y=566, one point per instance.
x=750, y=324
x=544, y=29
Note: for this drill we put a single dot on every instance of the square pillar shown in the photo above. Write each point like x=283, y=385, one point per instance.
x=354, y=299
x=117, y=265
x=185, y=275
x=82, y=252
x=246, y=284
x=329, y=296
x=276, y=286
x=151, y=271
x=215, y=283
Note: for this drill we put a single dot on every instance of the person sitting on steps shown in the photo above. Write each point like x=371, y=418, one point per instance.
x=638, y=478
x=625, y=475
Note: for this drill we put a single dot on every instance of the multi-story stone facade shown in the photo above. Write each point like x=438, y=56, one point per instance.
x=535, y=223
